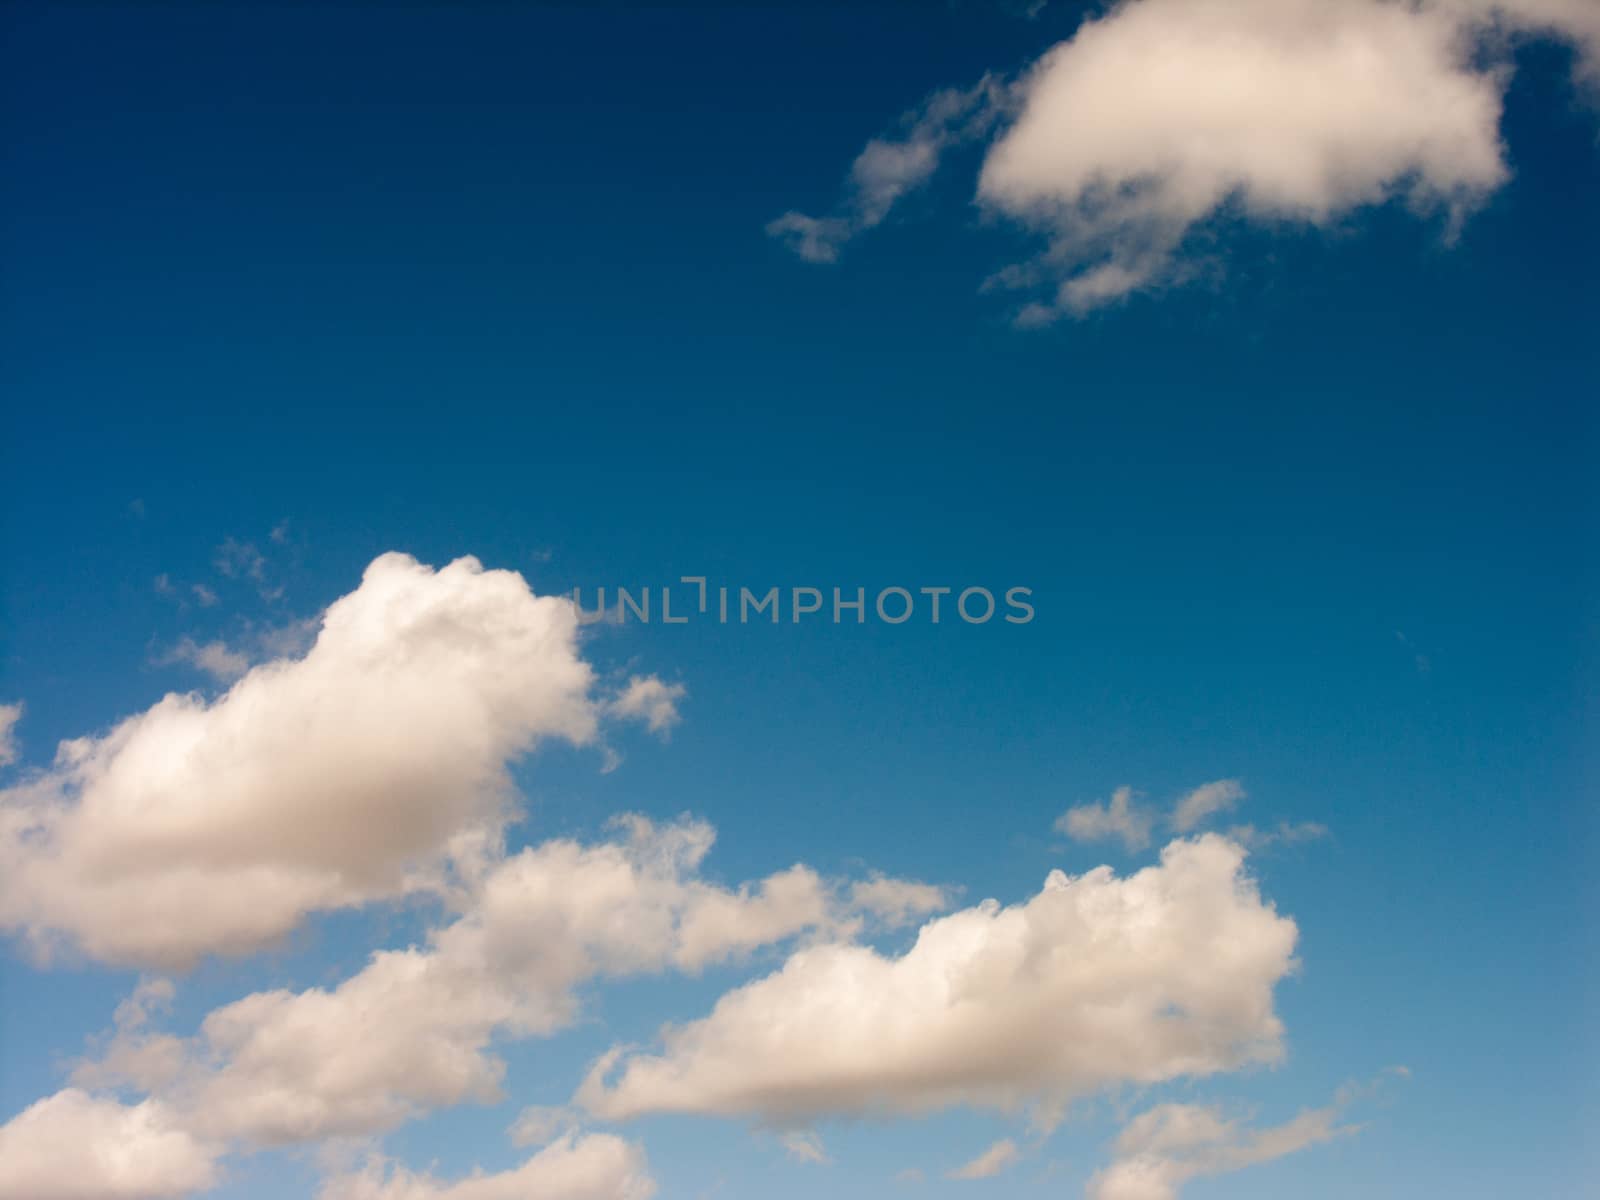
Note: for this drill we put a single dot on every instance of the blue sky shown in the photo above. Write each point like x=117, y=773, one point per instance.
x=1311, y=507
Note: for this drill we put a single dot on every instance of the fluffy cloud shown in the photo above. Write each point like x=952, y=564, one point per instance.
x=1096, y=980
x=1119, y=818
x=10, y=714
x=348, y=774
x=414, y=1029
x=997, y=1158
x=1205, y=802
x=1161, y=116
x=75, y=1146
x=596, y=1167
x=1158, y=116
x=1164, y=1148
x=648, y=699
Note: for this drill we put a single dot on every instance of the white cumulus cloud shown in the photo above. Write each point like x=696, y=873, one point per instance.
x=1159, y=118
x=1165, y=112
x=77, y=1146
x=1097, y=980
x=414, y=1030
x=344, y=775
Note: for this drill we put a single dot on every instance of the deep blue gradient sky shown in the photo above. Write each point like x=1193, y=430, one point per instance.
x=492, y=280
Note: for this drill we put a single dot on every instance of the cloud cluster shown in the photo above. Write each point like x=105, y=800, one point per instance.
x=348, y=774
x=1159, y=117
x=1124, y=819
x=375, y=763
x=1097, y=980
x=414, y=1029
x=1166, y=1147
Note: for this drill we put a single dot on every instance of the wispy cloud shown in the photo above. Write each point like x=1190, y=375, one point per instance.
x=540, y=1124
x=1285, y=833
x=997, y=1158
x=216, y=658
x=596, y=1166
x=240, y=560
x=1166, y=1147
x=889, y=168
x=1204, y=802
x=805, y=1146
x=10, y=714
